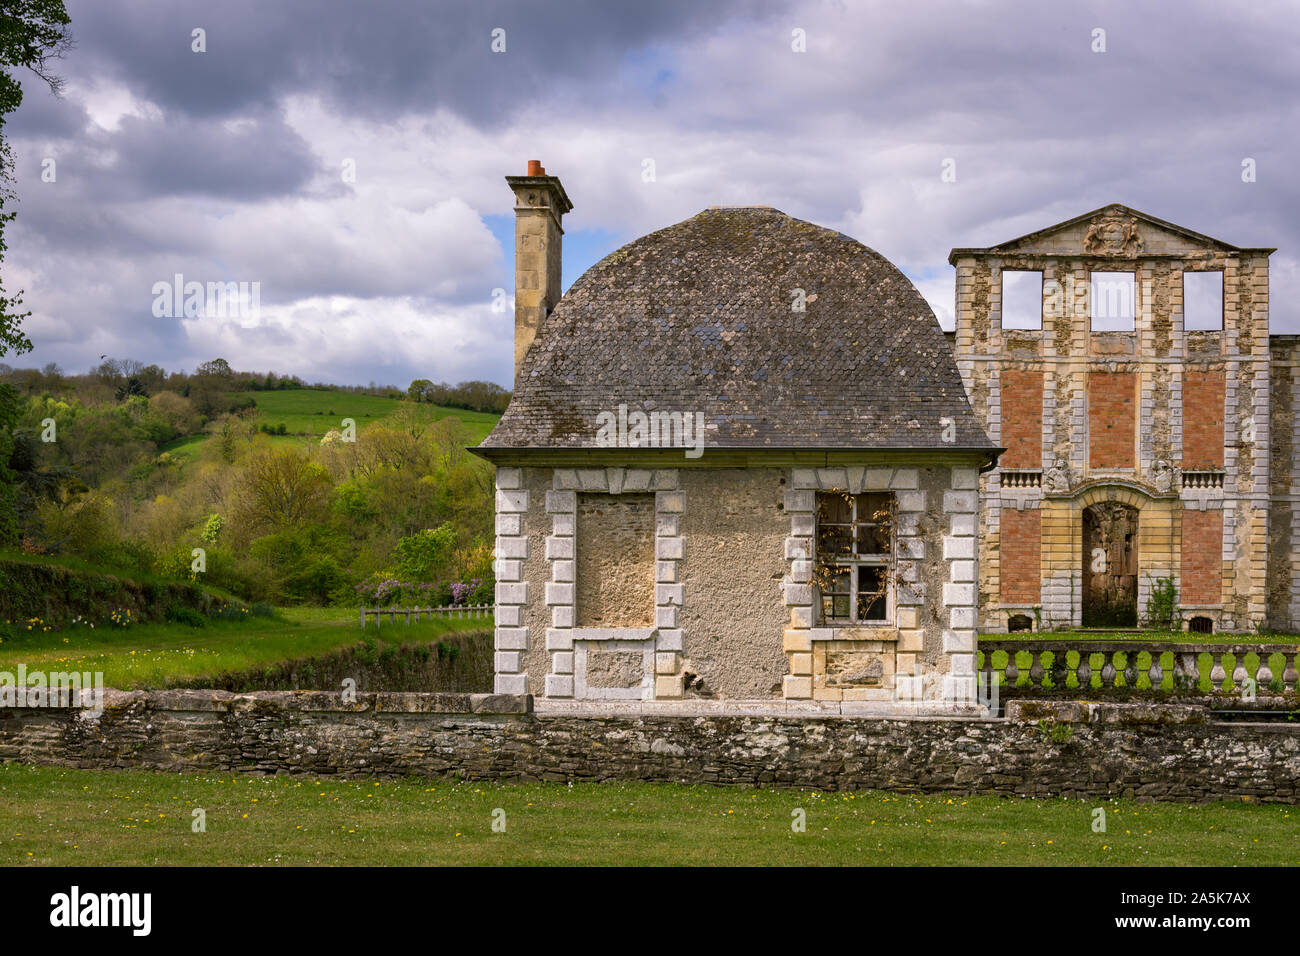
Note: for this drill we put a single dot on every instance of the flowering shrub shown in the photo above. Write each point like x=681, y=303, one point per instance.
x=383, y=590
x=474, y=591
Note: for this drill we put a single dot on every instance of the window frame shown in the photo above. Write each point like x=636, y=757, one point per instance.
x=1223, y=301
x=1092, y=302
x=1042, y=305
x=854, y=560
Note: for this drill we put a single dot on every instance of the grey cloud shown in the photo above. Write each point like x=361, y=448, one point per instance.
x=381, y=58
x=850, y=134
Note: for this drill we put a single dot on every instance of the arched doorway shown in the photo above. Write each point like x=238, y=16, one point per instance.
x=1110, y=563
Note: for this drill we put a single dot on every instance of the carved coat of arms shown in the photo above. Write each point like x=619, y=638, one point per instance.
x=1113, y=234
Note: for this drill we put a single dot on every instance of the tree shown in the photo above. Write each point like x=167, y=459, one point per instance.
x=427, y=554
x=280, y=489
x=217, y=367
x=32, y=33
x=210, y=387
x=34, y=483
x=418, y=389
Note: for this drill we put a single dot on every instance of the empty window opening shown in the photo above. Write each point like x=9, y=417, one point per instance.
x=1203, y=301
x=855, y=546
x=1019, y=622
x=1022, y=300
x=1201, y=625
x=1113, y=300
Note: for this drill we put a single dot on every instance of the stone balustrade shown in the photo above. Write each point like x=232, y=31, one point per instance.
x=1102, y=666
x=1021, y=479
x=1203, y=480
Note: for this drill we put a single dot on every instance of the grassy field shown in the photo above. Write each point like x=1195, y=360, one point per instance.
x=54, y=816
x=308, y=411
x=157, y=655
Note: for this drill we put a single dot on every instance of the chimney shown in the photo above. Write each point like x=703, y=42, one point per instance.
x=540, y=203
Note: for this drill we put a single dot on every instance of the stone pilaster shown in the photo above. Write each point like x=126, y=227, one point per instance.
x=960, y=508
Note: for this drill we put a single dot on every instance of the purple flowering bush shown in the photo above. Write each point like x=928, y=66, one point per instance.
x=384, y=590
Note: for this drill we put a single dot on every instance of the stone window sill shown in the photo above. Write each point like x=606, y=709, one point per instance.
x=886, y=633
x=613, y=633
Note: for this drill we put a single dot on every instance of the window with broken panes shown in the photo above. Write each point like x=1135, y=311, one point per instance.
x=855, y=549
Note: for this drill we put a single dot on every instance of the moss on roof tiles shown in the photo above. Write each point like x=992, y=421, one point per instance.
x=697, y=318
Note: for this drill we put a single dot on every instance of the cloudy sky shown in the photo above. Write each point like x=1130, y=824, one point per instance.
x=233, y=164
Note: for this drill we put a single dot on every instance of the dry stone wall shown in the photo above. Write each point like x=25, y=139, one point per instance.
x=1148, y=751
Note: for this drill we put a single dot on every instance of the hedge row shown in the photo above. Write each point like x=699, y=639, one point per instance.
x=57, y=594
x=455, y=663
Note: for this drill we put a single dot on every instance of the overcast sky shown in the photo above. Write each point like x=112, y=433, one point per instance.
x=229, y=164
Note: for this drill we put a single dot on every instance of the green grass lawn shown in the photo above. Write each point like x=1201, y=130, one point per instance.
x=157, y=655
x=308, y=411
x=184, y=449
x=55, y=816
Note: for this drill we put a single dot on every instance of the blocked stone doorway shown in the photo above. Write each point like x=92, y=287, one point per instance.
x=1110, y=565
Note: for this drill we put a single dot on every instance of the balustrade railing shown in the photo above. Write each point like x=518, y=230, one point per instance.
x=1022, y=479
x=1202, y=480
x=1105, y=666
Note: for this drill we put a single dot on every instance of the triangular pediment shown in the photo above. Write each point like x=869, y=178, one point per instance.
x=1114, y=231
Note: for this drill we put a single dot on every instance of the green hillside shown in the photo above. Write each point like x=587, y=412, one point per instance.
x=312, y=411
x=222, y=476
x=307, y=414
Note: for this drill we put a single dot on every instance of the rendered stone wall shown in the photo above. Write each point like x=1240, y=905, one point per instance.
x=734, y=611
x=1135, y=750
x=614, y=569
x=650, y=584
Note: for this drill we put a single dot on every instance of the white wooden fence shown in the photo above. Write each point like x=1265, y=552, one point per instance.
x=454, y=610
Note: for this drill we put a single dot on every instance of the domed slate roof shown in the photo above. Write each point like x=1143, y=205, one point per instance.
x=697, y=317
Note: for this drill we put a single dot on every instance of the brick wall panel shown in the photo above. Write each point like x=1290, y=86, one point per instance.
x=1020, y=565
x=1202, y=562
x=1022, y=418
x=1112, y=412
x=1203, y=419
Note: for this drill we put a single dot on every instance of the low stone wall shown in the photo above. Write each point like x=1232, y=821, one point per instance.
x=1149, y=751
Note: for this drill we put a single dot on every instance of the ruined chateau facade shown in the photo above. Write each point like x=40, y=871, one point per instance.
x=1148, y=418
